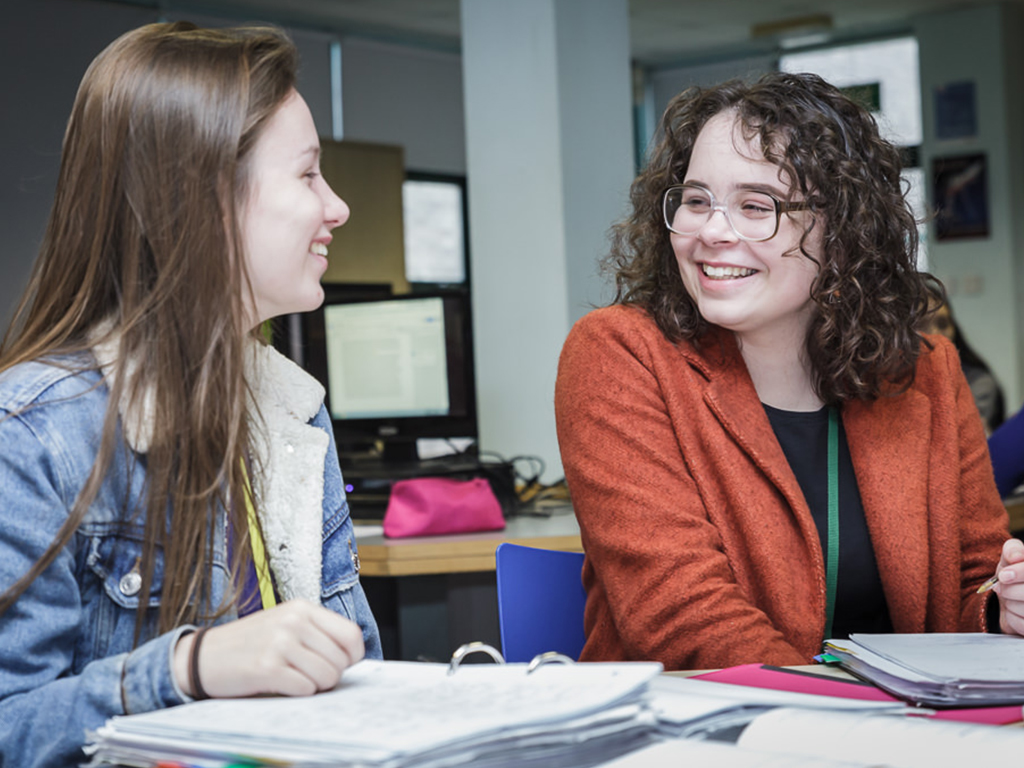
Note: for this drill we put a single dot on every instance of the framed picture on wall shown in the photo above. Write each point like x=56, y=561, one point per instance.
x=956, y=111
x=960, y=187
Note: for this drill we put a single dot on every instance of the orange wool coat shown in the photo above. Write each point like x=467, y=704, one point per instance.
x=701, y=551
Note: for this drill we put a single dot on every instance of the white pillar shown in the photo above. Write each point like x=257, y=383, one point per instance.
x=549, y=162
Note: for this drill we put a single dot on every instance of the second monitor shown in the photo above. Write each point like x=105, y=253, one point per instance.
x=396, y=369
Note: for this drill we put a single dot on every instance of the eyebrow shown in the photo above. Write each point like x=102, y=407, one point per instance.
x=312, y=149
x=766, y=188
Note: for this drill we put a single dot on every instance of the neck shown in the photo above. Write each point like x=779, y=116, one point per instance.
x=781, y=374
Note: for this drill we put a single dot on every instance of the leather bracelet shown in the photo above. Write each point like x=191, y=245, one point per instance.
x=198, y=692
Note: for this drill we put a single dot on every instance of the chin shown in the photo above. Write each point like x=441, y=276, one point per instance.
x=717, y=313
x=310, y=300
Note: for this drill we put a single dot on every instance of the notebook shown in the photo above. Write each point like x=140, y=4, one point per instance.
x=938, y=669
x=820, y=683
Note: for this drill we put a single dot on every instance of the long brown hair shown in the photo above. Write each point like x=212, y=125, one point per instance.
x=144, y=234
x=869, y=295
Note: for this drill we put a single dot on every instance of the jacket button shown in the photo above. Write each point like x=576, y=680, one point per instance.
x=130, y=583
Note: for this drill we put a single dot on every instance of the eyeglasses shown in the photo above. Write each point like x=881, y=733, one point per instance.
x=752, y=215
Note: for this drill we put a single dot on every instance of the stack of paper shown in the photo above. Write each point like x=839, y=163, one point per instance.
x=954, y=669
x=699, y=709
x=398, y=714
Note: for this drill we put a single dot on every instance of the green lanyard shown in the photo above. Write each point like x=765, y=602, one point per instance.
x=259, y=553
x=832, y=557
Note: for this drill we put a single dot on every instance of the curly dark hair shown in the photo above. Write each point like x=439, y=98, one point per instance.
x=869, y=295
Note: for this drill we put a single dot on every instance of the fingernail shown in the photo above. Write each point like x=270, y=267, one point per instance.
x=1007, y=575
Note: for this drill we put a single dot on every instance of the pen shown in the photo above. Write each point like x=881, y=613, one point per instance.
x=989, y=584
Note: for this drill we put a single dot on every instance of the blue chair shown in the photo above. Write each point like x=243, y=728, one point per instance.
x=540, y=601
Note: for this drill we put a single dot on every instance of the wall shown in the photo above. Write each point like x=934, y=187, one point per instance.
x=392, y=94
x=549, y=150
x=983, y=275
x=49, y=44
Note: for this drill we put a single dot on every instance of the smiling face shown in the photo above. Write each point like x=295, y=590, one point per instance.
x=750, y=288
x=288, y=216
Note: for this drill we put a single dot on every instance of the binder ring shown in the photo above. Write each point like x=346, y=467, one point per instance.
x=551, y=657
x=475, y=647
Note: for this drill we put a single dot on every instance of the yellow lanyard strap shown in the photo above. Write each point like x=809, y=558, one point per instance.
x=259, y=554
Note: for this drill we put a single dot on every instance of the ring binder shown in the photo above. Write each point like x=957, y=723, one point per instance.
x=488, y=714
x=476, y=647
x=551, y=657
x=538, y=661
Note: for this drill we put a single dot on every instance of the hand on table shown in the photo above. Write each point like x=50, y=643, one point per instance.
x=295, y=648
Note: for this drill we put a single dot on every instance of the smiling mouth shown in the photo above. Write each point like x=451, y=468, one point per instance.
x=725, y=273
x=319, y=249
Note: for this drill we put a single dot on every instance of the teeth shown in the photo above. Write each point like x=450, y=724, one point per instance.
x=725, y=273
x=319, y=249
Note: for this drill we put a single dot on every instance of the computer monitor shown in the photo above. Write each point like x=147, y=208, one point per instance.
x=396, y=369
x=434, y=218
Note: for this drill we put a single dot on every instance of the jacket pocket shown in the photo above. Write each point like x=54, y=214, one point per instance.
x=113, y=590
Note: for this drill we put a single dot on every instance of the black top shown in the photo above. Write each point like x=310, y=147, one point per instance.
x=860, y=601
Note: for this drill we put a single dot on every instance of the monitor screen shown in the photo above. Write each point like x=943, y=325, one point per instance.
x=434, y=223
x=386, y=359
x=396, y=369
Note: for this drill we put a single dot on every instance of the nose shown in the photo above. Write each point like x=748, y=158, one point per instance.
x=336, y=211
x=718, y=228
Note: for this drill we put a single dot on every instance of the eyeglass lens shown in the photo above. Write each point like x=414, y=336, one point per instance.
x=752, y=215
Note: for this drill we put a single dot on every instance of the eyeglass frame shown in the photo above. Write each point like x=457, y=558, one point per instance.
x=781, y=207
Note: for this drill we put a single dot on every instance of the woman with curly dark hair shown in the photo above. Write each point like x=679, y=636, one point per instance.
x=762, y=450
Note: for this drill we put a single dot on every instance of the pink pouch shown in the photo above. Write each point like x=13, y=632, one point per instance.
x=427, y=506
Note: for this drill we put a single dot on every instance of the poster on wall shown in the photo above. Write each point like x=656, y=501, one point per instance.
x=956, y=113
x=959, y=185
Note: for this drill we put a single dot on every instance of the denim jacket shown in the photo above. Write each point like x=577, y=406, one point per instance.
x=67, y=657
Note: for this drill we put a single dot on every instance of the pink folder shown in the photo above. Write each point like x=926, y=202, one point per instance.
x=798, y=681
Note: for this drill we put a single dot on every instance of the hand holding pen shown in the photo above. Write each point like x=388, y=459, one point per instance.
x=1008, y=582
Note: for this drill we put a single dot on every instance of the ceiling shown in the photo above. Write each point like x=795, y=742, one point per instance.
x=661, y=31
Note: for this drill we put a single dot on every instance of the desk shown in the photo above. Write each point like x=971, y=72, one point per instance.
x=431, y=594
x=463, y=553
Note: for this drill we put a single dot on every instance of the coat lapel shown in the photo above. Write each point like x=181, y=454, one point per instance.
x=732, y=398
x=291, y=454
x=888, y=442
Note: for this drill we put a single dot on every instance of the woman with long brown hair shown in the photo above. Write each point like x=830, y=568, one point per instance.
x=762, y=451
x=174, y=524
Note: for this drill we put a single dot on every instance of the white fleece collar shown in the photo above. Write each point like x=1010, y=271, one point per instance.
x=290, y=452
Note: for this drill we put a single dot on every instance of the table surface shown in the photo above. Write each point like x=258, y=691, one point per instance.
x=461, y=553
x=469, y=552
